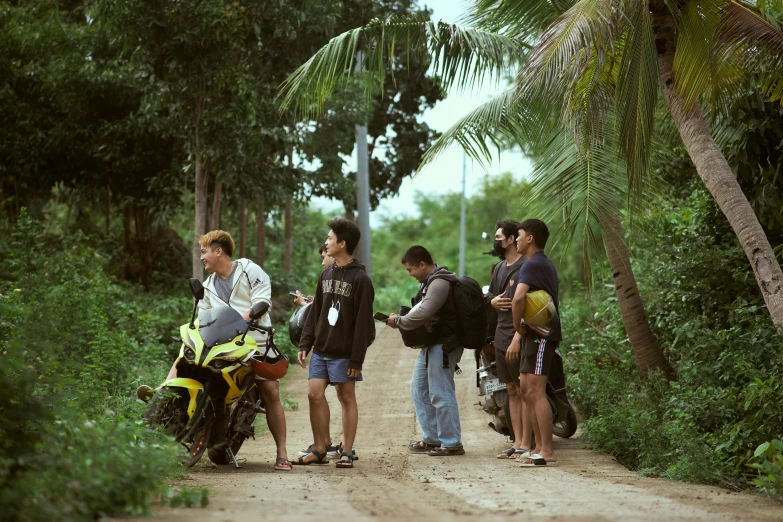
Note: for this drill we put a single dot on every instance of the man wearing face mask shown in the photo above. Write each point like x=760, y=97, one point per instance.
x=501, y=289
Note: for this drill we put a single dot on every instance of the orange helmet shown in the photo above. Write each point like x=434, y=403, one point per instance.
x=271, y=365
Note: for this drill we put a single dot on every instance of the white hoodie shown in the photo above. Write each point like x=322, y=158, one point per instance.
x=250, y=285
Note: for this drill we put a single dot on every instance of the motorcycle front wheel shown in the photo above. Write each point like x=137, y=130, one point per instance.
x=236, y=439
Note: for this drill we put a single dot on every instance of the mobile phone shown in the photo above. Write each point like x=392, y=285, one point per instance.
x=380, y=317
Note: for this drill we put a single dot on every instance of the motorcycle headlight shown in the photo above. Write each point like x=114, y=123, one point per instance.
x=190, y=355
x=218, y=364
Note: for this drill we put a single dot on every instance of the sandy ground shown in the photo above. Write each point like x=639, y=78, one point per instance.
x=388, y=484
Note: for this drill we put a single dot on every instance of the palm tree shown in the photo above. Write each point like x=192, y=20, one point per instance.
x=497, y=120
x=596, y=64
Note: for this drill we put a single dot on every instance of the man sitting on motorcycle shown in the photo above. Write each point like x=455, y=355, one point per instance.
x=240, y=284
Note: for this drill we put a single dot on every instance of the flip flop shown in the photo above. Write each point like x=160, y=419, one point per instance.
x=283, y=464
x=506, y=454
x=521, y=453
x=537, y=461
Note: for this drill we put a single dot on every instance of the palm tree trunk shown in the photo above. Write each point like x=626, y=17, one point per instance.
x=260, y=232
x=648, y=353
x=716, y=174
x=242, y=227
x=289, y=238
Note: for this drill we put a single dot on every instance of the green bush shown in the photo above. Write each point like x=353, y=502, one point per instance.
x=768, y=461
x=75, y=344
x=705, y=311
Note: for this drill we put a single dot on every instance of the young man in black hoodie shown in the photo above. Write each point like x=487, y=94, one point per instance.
x=339, y=329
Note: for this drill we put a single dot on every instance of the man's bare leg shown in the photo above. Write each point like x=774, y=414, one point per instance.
x=347, y=396
x=536, y=391
x=515, y=410
x=319, y=415
x=527, y=397
x=275, y=416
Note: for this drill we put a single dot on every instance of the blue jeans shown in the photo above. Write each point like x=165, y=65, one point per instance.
x=435, y=398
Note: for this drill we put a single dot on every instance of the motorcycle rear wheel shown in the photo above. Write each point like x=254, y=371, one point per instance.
x=566, y=428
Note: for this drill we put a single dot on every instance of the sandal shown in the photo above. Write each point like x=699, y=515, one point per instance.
x=446, y=452
x=283, y=464
x=422, y=447
x=506, y=454
x=345, y=463
x=321, y=459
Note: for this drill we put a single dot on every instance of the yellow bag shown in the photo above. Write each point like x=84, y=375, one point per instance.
x=540, y=312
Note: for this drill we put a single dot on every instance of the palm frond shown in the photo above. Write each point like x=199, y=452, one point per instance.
x=748, y=40
x=563, y=50
x=461, y=56
x=589, y=185
x=636, y=97
x=504, y=120
x=696, y=31
x=522, y=19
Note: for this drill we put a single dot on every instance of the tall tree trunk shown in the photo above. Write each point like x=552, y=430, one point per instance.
x=646, y=349
x=202, y=179
x=215, y=215
x=716, y=173
x=260, y=232
x=289, y=238
x=349, y=213
x=242, y=227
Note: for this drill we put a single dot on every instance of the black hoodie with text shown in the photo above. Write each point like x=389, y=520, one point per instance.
x=348, y=289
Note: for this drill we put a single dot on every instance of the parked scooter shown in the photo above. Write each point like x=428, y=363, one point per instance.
x=495, y=401
x=213, y=401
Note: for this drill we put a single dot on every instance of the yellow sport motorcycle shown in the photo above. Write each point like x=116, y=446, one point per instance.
x=213, y=401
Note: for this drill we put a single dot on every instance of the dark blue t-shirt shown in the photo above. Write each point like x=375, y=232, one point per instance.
x=539, y=273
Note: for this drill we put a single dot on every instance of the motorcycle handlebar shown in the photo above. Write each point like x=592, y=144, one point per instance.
x=267, y=329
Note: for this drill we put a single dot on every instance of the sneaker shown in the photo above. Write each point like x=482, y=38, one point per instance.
x=422, y=447
x=331, y=450
x=144, y=393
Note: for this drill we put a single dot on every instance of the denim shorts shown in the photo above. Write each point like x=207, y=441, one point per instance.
x=333, y=370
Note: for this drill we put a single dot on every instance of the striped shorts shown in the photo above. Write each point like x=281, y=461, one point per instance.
x=537, y=355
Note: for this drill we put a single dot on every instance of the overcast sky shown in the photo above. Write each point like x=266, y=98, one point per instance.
x=445, y=174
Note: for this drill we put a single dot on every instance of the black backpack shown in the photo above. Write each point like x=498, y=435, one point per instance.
x=472, y=314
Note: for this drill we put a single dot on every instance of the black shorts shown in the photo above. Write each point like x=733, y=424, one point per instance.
x=507, y=372
x=537, y=354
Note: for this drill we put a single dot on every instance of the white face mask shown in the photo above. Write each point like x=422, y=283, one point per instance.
x=334, y=313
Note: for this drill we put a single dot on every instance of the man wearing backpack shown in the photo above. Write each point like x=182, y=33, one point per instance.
x=432, y=386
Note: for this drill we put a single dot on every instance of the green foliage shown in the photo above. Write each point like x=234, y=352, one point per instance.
x=706, y=313
x=75, y=344
x=769, y=463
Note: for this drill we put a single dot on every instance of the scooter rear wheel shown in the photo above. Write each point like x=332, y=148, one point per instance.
x=566, y=428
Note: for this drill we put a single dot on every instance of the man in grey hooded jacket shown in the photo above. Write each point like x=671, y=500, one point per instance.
x=432, y=387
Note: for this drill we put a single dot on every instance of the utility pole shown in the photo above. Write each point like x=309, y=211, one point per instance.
x=363, y=192
x=462, y=219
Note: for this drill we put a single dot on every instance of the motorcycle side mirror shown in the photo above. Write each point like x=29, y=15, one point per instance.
x=258, y=310
x=197, y=288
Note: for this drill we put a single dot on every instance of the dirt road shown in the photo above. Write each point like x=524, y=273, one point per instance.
x=388, y=484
